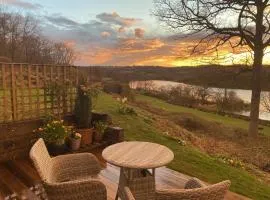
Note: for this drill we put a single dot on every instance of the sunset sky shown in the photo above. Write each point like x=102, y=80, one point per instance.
x=116, y=32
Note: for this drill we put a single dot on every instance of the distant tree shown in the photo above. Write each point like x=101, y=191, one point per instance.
x=266, y=101
x=21, y=41
x=237, y=22
x=203, y=93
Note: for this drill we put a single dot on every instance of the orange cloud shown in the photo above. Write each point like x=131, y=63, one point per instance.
x=139, y=32
x=161, y=52
x=105, y=34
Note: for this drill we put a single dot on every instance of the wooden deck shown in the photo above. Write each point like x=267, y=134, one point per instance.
x=19, y=180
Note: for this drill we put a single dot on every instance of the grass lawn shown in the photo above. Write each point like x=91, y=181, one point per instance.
x=187, y=159
x=229, y=121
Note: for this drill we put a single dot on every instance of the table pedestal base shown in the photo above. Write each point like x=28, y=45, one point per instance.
x=140, y=181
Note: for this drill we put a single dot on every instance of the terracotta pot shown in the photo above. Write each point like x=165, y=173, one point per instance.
x=74, y=144
x=98, y=137
x=87, y=136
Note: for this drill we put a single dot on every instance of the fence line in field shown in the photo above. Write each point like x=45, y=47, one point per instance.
x=28, y=91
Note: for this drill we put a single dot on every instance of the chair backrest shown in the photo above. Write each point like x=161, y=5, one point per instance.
x=212, y=192
x=41, y=159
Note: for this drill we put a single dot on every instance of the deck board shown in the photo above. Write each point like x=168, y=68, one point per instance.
x=17, y=177
x=5, y=191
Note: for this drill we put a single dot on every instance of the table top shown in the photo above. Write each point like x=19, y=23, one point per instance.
x=138, y=155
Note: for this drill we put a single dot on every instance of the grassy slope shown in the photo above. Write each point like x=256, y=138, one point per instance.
x=229, y=121
x=187, y=159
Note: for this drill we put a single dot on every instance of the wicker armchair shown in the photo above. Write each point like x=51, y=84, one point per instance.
x=194, y=190
x=68, y=177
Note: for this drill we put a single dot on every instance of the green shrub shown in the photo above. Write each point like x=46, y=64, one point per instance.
x=126, y=110
x=100, y=127
x=112, y=87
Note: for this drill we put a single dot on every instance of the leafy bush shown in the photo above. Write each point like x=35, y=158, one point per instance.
x=118, y=88
x=112, y=87
x=126, y=110
x=100, y=127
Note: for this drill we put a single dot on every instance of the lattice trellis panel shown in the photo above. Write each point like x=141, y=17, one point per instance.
x=24, y=90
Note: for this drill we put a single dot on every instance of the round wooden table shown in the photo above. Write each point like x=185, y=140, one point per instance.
x=134, y=158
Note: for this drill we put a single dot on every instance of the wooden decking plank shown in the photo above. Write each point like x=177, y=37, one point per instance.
x=111, y=173
x=27, y=165
x=4, y=191
x=23, y=173
x=166, y=179
x=11, y=181
x=111, y=187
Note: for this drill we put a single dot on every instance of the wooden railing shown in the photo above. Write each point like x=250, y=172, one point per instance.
x=26, y=90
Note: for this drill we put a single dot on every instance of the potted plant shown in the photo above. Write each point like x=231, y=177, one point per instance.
x=100, y=128
x=83, y=110
x=74, y=141
x=54, y=133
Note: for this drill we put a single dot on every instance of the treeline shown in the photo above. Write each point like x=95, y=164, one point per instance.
x=235, y=77
x=21, y=41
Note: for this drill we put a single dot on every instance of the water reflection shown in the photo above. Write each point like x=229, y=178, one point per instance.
x=245, y=95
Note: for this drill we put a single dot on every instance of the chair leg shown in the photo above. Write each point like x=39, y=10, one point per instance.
x=116, y=197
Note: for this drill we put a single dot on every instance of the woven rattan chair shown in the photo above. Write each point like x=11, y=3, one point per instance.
x=194, y=190
x=68, y=177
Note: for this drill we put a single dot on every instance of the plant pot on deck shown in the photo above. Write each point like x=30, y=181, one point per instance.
x=74, y=143
x=98, y=137
x=57, y=148
x=87, y=136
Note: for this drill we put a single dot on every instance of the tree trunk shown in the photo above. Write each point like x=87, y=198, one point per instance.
x=256, y=92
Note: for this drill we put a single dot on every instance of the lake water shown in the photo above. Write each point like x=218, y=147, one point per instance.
x=245, y=95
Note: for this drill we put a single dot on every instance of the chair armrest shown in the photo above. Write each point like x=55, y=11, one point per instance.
x=170, y=194
x=128, y=195
x=73, y=166
x=194, y=183
x=83, y=190
x=216, y=191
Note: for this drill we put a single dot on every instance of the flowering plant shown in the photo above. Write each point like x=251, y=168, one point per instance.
x=123, y=108
x=53, y=132
x=75, y=135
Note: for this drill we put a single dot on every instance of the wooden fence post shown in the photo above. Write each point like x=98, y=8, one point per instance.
x=22, y=92
x=5, y=105
x=30, y=90
x=44, y=89
x=13, y=94
x=37, y=92
x=65, y=93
